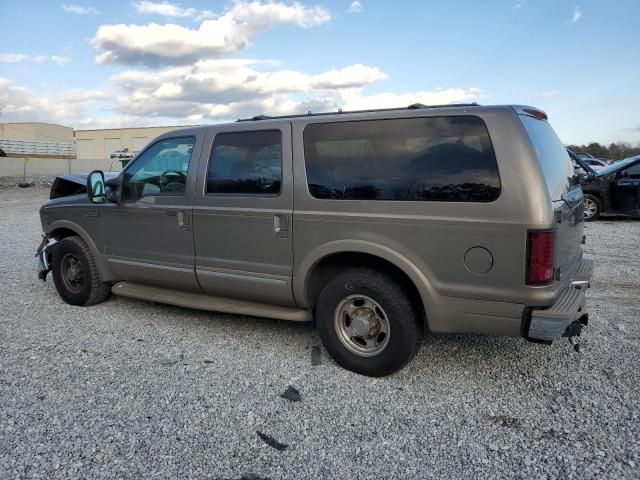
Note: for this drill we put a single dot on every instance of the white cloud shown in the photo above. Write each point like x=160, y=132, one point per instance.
x=546, y=94
x=519, y=4
x=164, y=8
x=60, y=60
x=214, y=85
x=213, y=91
x=355, y=7
x=217, y=90
x=577, y=14
x=20, y=104
x=170, y=44
x=356, y=100
x=12, y=57
x=80, y=10
x=21, y=57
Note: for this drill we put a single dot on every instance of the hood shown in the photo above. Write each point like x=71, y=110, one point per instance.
x=581, y=163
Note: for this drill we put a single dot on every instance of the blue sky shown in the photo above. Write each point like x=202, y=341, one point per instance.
x=136, y=63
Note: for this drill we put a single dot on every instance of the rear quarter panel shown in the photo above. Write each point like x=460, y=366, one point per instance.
x=432, y=237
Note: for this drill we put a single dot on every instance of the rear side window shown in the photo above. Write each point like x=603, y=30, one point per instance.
x=248, y=163
x=553, y=157
x=416, y=159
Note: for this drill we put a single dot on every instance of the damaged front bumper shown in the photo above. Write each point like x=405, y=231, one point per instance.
x=567, y=316
x=43, y=256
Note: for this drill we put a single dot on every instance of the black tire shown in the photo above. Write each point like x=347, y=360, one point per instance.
x=593, y=213
x=89, y=290
x=405, y=330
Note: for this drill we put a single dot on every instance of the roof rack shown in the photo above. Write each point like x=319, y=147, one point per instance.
x=414, y=106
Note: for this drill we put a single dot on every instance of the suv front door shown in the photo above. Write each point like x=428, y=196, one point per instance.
x=625, y=191
x=148, y=235
x=242, y=213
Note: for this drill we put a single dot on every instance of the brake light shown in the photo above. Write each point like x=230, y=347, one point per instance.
x=540, y=262
x=539, y=114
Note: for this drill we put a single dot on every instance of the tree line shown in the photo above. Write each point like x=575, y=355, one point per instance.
x=615, y=151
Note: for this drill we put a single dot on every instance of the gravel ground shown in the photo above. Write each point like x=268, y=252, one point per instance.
x=130, y=389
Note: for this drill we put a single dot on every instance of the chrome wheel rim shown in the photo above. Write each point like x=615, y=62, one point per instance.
x=590, y=208
x=72, y=273
x=362, y=325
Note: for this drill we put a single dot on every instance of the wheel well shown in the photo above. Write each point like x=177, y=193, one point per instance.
x=60, y=233
x=593, y=193
x=330, y=266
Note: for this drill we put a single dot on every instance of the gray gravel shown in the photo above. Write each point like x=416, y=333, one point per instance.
x=130, y=389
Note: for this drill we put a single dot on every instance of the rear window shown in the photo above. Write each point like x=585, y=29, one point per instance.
x=416, y=159
x=552, y=155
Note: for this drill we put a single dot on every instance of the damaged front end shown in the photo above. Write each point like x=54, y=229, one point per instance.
x=43, y=256
x=74, y=184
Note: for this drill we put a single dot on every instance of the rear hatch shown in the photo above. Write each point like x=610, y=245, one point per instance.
x=564, y=189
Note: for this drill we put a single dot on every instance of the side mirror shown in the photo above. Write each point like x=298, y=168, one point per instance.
x=95, y=187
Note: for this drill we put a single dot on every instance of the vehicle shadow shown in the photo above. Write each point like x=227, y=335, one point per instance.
x=282, y=341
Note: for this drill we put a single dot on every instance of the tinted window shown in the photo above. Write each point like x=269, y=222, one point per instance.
x=246, y=163
x=160, y=170
x=553, y=157
x=437, y=159
x=634, y=171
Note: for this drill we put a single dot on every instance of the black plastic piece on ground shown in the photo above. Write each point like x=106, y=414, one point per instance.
x=291, y=394
x=272, y=442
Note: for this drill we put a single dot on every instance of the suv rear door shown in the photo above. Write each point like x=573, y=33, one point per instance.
x=242, y=212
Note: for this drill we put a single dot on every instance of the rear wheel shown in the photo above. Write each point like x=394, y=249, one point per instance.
x=75, y=273
x=367, y=322
x=592, y=207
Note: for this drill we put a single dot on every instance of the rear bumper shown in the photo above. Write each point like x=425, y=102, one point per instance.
x=571, y=306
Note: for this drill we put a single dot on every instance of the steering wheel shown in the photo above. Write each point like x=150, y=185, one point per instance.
x=172, y=186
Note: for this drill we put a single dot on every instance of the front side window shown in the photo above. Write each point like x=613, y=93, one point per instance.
x=160, y=170
x=632, y=172
x=247, y=163
x=415, y=159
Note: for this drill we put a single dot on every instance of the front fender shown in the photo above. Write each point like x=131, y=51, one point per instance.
x=57, y=226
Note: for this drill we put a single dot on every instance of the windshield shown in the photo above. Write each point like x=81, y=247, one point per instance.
x=614, y=167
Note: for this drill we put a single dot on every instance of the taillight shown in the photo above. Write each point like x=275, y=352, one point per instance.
x=540, y=262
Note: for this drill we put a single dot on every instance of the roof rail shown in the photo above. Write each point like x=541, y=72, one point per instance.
x=414, y=106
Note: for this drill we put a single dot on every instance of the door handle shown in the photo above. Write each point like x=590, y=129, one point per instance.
x=183, y=220
x=281, y=226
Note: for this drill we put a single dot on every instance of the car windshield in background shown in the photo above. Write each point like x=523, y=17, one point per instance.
x=617, y=166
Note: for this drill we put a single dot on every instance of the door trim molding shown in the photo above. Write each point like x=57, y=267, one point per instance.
x=136, y=263
x=244, y=276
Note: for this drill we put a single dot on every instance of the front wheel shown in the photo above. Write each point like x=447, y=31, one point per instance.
x=367, y=322
x=75, y=273
x=592, y=207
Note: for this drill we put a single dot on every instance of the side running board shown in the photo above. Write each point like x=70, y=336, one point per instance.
x=201, y=301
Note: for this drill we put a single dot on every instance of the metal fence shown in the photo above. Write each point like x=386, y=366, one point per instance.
x=23, y=148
